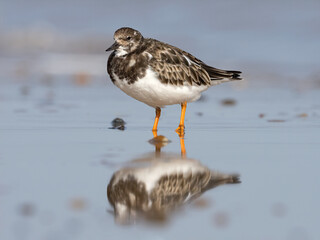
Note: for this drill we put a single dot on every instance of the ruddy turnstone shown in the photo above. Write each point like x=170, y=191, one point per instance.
x=166, y=183
x=160, y=74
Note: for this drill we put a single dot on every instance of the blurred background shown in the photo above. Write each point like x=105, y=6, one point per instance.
x=58, y=153
x=272, y=42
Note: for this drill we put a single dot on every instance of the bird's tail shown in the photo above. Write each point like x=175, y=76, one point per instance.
x=218, y=179
x=235, y=75
x=217, y=74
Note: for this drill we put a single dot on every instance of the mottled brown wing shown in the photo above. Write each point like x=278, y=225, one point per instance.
x=215, y=74
x=173, y=190
x=175, y=67
x=178, y=67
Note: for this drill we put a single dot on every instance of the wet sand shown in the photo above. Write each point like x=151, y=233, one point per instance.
x=58, y=155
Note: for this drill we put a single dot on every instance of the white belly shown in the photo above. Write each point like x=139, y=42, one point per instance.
x=156, y=94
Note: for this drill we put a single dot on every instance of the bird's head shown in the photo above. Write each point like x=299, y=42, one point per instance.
x=126, y=40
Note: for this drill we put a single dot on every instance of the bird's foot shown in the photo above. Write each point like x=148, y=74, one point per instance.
x=155, y=132
x=180, y=130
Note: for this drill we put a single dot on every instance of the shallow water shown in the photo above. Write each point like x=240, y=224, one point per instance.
x=58, y=155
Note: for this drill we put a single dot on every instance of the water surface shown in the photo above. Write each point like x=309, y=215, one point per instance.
x=58, y=155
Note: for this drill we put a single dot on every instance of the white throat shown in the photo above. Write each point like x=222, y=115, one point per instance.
x=121, y=52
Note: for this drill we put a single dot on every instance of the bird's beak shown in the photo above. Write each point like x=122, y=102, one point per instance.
x=113, y=47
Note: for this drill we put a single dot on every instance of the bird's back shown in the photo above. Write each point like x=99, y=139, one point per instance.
x=178, y=67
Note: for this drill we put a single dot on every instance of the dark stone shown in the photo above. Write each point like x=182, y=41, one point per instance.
x=118, y=123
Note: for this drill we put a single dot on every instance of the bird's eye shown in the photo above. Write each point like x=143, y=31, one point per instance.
x=128, y=38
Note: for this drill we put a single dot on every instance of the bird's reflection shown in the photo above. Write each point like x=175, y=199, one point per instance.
x=154, y=185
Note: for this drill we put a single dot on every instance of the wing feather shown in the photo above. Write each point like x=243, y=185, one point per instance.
x=178, y=67
x=173, y=66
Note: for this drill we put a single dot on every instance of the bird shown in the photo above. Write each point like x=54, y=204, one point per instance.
x=156, y=185
x=159, y=74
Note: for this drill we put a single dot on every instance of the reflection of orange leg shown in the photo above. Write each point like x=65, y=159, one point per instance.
x=183, y=148
x=180, y=129
x=156, y=120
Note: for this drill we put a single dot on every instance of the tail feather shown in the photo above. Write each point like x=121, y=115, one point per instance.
x=218, y=179
x=219, y=74
x=235, y=75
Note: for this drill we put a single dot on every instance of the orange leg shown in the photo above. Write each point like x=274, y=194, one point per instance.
x=156, y=120
x=180, y=129
x=155, y=134
x=183, y=148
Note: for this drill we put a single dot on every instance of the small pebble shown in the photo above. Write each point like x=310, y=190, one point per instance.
x=221, y=219
x=27, y=209
x=276, y=120
x=78, y=204
x=81, y=79
x=228, y=102
x=201, y=203
x=118, y=123
x=302, y=115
